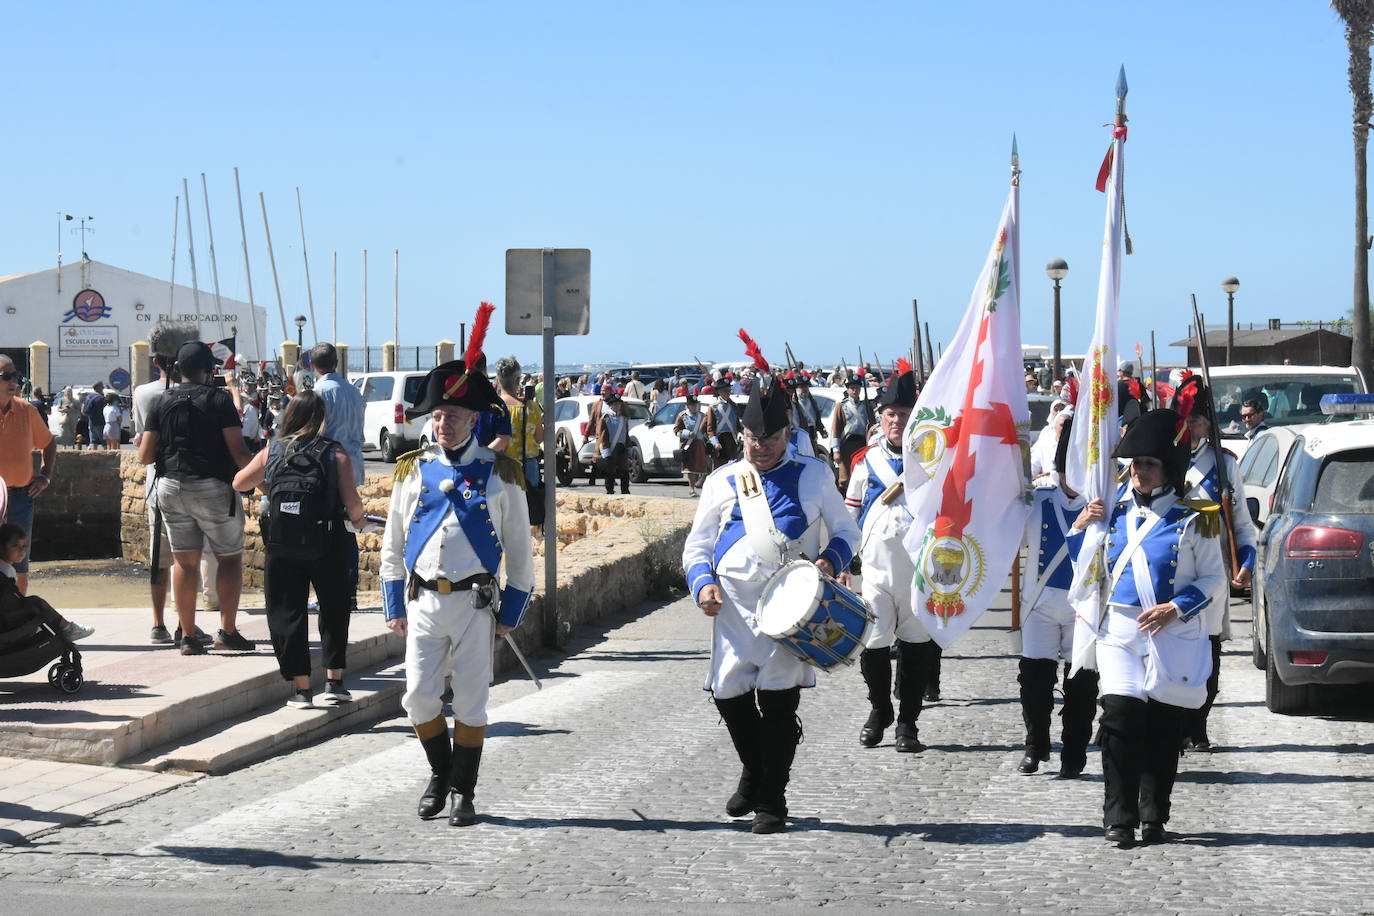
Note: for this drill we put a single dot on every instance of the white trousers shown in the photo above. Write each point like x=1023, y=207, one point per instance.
x=446, y=635
x=886, y=586
x=1047, y=630
x=742, y=658
x=1170, y=667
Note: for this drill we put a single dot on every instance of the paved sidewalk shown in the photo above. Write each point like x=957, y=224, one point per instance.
x=38, y=795
x=607, y=789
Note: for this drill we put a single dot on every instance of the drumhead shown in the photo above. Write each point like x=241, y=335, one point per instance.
x=789, y=598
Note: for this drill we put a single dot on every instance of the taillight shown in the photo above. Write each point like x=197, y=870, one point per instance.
x=1316, y=542
x=400, y=419
x=1307, y=658
x=585, y=431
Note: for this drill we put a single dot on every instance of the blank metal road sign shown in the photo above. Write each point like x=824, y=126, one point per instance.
x=568, y=283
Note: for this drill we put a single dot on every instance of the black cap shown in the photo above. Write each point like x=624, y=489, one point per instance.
x=900, y=391
x=451, y=384
x=1156, y=434
x=768, y=408
x=195, y=355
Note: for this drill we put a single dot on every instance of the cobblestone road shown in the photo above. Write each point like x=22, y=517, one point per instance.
x=608, y=787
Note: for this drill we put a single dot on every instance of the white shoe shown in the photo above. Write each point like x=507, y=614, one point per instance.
x=74, y=631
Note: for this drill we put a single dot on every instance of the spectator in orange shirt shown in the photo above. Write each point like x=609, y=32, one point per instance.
x=22, y=430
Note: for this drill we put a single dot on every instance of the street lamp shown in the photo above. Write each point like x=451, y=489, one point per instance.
x=1056, y=270
x=300, y=331
x=1230, y=284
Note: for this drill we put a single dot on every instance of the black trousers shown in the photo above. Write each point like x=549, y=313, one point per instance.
x=287, y=591
x=1140, y=741
x=616, y=466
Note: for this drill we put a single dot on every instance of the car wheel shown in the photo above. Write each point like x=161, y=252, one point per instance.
x=637, y=472
x=1256, y=648
x=1280, y=697
x=563, y=460
x=388, y=449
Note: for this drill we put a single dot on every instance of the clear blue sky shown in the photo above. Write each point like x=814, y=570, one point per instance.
x=801, y=169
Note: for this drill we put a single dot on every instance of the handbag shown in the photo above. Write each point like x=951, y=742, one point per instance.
x=534, y=493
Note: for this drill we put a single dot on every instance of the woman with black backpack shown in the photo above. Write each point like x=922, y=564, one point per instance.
x=309, y=485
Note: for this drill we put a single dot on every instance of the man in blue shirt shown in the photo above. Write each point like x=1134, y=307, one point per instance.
x=94, y=409
x=343, y=422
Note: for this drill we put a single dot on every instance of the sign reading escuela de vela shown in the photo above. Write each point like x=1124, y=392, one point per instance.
x=90, y=340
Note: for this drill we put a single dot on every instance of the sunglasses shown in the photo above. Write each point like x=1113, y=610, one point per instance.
x=1246, y=416
x=8, y=376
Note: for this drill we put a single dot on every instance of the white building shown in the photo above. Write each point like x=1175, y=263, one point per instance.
x=92, y=312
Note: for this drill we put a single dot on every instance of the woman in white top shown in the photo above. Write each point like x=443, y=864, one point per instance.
x=113, y=417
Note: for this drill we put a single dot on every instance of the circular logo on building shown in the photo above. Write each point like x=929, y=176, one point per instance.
x=88, y=305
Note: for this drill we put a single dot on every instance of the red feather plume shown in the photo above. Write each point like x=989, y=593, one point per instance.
x=751, y=350
x=479, y=334
x=1184, y=398
x=903, y=367
x=1071, y=386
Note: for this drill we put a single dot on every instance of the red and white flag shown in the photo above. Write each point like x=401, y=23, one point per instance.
x=1090, y=469
x=964, y=476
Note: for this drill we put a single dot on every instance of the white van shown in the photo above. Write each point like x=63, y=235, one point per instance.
x=1290, y=395
x=386, y=396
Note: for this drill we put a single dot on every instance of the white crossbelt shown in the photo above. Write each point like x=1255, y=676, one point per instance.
x=760, y=530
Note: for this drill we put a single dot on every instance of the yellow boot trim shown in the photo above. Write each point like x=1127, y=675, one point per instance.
x=426, y=730
x=468, y=735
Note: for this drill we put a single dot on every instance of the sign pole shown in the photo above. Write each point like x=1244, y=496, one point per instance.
x=549, y=278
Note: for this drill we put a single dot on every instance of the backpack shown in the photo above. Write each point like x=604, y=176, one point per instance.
x=303, y=504
x=186, y=424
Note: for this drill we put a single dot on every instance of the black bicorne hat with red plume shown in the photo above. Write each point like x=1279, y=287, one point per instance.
x=1155, y=435
x=461, y=382
x=900, y=390
x=768, y=408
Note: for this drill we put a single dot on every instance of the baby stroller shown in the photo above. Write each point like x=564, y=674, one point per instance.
x=28, y=642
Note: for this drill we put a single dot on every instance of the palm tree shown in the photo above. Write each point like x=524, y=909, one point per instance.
x=1358, y=16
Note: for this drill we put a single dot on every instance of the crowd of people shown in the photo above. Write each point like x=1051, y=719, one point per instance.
x=463, y=509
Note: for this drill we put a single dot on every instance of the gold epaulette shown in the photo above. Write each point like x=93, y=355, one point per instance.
x=509, y=470
x=1209, y=519
x=405, y=465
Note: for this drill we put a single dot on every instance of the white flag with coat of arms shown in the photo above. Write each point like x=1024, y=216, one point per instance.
x=963, y=465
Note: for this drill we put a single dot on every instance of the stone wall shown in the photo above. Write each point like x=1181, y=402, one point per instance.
x=78, y=517
x=613, y=552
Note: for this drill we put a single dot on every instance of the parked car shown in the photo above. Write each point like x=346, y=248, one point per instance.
x=1261, y=466
x=573, y=432
x=1313, y=604
x=386, y=396
x=1290, y=395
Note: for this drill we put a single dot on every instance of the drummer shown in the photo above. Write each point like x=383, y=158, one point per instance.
x=875, y=497
x=768, y=508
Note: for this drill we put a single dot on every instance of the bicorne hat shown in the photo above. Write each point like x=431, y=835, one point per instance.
x=1156, y=435
x=768, y=408
x=459, y=383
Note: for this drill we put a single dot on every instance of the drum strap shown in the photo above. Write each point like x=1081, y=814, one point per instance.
x=759, y=527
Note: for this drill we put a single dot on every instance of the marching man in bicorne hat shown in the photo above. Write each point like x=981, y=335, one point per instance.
x=1048, y=624
x=756, y=514
x=1194, y=402
x=878, y=504
x=456, y=511
x=1163, y=569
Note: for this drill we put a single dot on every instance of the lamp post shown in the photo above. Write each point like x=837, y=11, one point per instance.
x=1056, y=270
x=300, y=331
x=1230, y=284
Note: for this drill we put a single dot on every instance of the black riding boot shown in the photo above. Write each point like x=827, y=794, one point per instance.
x=934, y=655
x=1080, y=702
x=780, y=733
x=1036, y=678
x=466, y=761
x=1122, y=731
x=876, y=666
x=1196, y=721
x=1163, y=736
x=912, y=662
x=742, y=720
x=439, y=753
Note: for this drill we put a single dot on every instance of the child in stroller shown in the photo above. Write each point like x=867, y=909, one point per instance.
x=32, y=633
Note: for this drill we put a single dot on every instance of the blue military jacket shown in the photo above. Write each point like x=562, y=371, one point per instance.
x=1160, y=551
